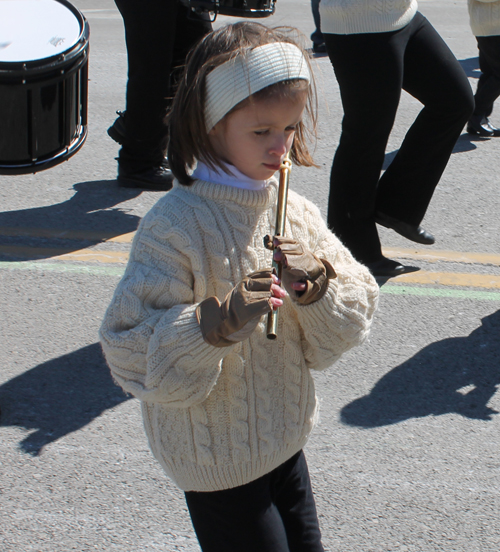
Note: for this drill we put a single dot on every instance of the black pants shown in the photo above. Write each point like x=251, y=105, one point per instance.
x=372, y=69
x=275, y=513
x=159, y=35
x=488, y=87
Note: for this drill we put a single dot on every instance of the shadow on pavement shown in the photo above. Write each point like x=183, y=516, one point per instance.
x=59, y=397
x=465, y=142
x=389, y=158
x=457, y=375
x=92, y=209
x=471, y=67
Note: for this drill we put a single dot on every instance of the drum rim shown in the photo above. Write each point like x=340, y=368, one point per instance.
x=215, y=7
x=250, y=13
x=47, y=162
x=17, y=68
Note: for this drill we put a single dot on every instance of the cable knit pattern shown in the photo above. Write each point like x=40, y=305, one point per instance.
x=484, y=17
x=365, y=16
x=218, y=418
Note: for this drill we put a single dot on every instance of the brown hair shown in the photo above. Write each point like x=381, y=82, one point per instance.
x=189, y=139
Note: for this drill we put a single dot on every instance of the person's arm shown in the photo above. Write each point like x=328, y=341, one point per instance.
x=150, y=335
x=162, y=345
x=342, y=316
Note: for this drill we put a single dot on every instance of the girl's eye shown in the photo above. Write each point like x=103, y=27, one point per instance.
x=292, y=128
x=261, y=132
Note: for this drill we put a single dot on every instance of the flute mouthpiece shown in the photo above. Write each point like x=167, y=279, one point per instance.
x=286, y=163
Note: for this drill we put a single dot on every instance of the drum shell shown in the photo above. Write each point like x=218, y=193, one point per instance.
x=233, y=8
x=246, y=8
x=43, y=107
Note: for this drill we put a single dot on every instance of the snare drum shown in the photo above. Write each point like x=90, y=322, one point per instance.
x=233, y=8
x=43, y=83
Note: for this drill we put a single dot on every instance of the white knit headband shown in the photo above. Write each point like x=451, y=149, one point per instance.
x=240, y=77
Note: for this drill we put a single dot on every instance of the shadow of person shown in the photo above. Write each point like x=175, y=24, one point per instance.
x=457, y=375
x=91, y=210
x=465, y=142
x=389, y=158
x=59, y=397
x=471, y=67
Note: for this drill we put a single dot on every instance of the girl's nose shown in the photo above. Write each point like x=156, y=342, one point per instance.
x=278, y=147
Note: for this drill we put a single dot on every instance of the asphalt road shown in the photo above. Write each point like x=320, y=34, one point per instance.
x=406, y=454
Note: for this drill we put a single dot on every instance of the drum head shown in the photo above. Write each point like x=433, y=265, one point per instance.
x=36, y=29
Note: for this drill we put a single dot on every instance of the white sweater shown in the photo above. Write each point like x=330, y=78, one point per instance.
x=365, y=16
x=484, y=17
x=217, y=418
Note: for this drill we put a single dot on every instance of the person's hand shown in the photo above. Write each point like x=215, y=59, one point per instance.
x=233, y=320
x=304, y=276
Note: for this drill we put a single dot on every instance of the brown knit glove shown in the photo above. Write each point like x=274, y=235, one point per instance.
x=237, y=317
x=301, y=265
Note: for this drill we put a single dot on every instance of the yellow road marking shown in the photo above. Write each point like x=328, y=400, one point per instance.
x=450, y=279
x=86, y=255
x=121, y=257
x=428, y=255
x=487, y=281
x=96, y=256
x=432, y=256
x=26, y=232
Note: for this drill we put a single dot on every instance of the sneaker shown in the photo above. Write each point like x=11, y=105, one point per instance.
x=156, y=179
x=117, y=130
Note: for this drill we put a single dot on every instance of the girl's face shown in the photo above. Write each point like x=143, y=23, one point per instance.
x=256, y=138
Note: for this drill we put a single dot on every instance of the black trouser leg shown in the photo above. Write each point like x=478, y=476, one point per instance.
x=275, y=513
x=488, y=86
x=433, y=75
x=158, y=35
x=369, y=70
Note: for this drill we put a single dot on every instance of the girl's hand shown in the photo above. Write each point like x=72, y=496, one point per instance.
x=277, y=293
x=236, y=317
x=304, y=275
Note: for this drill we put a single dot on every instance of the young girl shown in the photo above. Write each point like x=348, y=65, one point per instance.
x=226, y=410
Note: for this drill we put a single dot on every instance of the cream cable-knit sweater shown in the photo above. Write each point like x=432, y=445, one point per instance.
x=484, y=17
x=217, y=418
x=365, y=16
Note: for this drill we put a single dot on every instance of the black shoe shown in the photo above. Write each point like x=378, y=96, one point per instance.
x=496, y=131
x=479, y=125
x=408, y=231
x=319, y=48
x=117, y=130
x=385, y=267
x=158, y=179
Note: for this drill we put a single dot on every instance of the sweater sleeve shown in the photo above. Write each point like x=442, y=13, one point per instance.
x=150, y=335
x=342, y=318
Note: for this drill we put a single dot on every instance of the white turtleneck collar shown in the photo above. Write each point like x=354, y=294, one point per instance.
x=236, y=179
